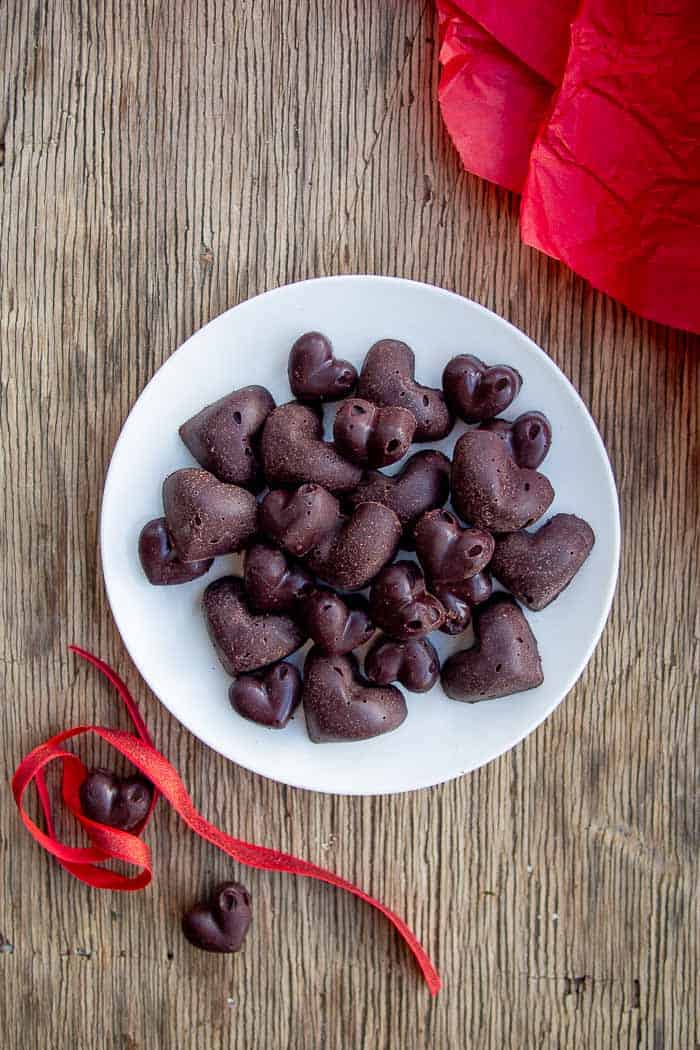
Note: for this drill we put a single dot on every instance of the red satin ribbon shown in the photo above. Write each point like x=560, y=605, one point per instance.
x=112, y=844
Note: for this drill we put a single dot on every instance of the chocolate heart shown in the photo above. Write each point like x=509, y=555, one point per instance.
x=206, y=517
x=245, y=641
x=359, y=546
x=337, y=626
x=504, y=660
x=293, y=451
x=273, y=582
x=373, y=436
x=459, y=598
x=414, y=663
x=490, y=490
x=223, y=436
x=300, y=518
x=387, y=378
x=527, y=438
x=220, y=923
x=422, y=485
x=160, y=561
x=401, y=605
x=340, y=705
x=475, y=391
x=268, y=698
x=314, y=374
x=537, y=566
x=448, y=552
x=119, y=802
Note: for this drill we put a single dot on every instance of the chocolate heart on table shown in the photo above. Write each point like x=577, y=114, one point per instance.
x=206, y=517
x=458, y=599
x=337, y=625
x=340, y=705
x=268, y=698
x=374, y=436
x=223, y=436
x=273, y=582
x=504, y=659
x=414, y=663
x=119, y=802
x=401, y=605
x=293, y=451
x=490, y=490
x=220, y=923
x=449, y=552
x=537, y=566
x=421, y=485
x=244, y=640
x=315, y=374
x=352, y=554
x=159, y=559
x=387, y=378
x=298, y=519
x=475, y=391
x=527, y=438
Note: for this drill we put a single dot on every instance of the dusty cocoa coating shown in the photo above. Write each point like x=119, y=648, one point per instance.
x=206, y=517
x=355, y=551
x=220, y=923
x=387, y=378
x=273, y=581
x=421, y=485
x=503, y=660
x=401, y=604
x=528, y=438
x=293, y=451
x=537, y=566
x=475, y=391
x=373, y=436
x=223, y=437
x=159, y=559
x=414, y=663
x=119, y=802
x=448, y=552
x=298, y=519
x=244, y=640
x=459, y=598
x=490, y=490
x=315, y=374
x=268, y=697
x=339, y=705
x=337, y=625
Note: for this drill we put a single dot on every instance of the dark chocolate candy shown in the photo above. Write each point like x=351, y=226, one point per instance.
x=448, y=552
x=223, y=437
x=119, y=802
x=220, y=923
x=159, y=559
x=293, y=451
x=337, y=625
x=315, y=374
x=373, y=436
x=401, y=605
x=537, y=566
x=273, y=581
x=205, y=516
x=527, y=438
x=268, y=697
x=298, y=519
x=422, y=485
x=387, y=378
x=503, y=660
x=414, y=663
x=340, y=705
x=475, y=391
x=354, y=552
x=459, y=598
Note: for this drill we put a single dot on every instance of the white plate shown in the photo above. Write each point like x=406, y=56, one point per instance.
x=163, y=628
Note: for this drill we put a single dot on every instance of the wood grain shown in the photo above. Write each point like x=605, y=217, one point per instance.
x=161, y=161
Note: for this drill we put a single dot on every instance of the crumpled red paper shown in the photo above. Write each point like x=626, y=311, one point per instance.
x=592, y=111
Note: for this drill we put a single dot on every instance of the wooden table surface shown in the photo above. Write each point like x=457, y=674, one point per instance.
x=162, y=161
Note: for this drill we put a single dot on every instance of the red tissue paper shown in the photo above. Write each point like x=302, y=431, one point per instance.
x=592, y=111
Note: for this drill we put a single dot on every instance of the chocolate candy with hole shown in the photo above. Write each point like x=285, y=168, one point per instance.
x=339, y=705
x=537, y=566
x=337, y=625
x=448, y=552
x=414, y=663
x=224, y=436
x=459, y=598
x=273, y=581
x=160, y=561
x=503, y=660
x=476, y=391
x=528, y=438
x=244, y=640
x=373, y=436
x=315, y=374
x=387, y=378
x=299, y=519
x=421, y=485
x=219, y=924
x=119, y=802
x=206, y=517
x=358, y=547
x=490, y=490
x=268, y=697
x=293, y=452
x=401, y=604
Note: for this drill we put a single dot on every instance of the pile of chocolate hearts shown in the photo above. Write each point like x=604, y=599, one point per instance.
x=319, y=523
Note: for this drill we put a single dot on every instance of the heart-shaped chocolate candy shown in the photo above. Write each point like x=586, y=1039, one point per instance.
x=293, y=451
x=315, y=374
x=352, y=554
x=504, y=660
x=340, y=705
x=206, y=517
x=459, y=598
x=448, y=552
x=337, y=625
x=475, y=391
x=220, y=923
x=223, y=437
x=527, y=438
x=537, y=566
x=159, y=559
x=421, y=485
x=268, y=698
x=490, y=490
x=273, y=582
x=371, y=435
x=387, y=378
x=401, y=605
x=298, y=519
x=245, y=641
x=414, y=663
x=119, y=802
